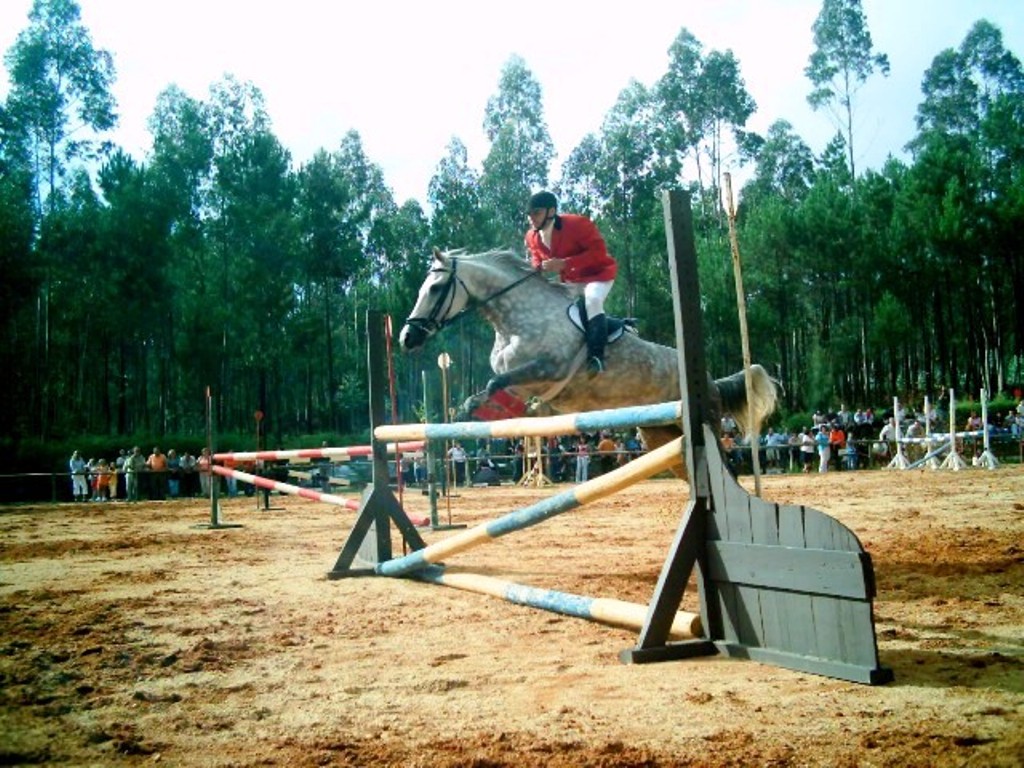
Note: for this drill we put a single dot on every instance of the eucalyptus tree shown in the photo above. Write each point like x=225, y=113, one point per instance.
x=19, y=288
x=784, y=167
x=843, y=60
x=968, y=155
x=140, y=284
x=458, y=218
x=628, y=171
x=401, y=239
x=521, y=151
x=767, y=218
x=251, y=228
x=345, y=215
x=580, y=188
x=68, y=244
x=178, y=185
x=701, y=96
x=58, y=105
x=60, y=101
x=462, y=220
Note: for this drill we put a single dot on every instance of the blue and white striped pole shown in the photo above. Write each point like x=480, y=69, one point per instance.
x=544, y=426
x=617, y=613
x=645, y=466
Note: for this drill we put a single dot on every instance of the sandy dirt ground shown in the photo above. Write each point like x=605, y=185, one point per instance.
x=129, y=636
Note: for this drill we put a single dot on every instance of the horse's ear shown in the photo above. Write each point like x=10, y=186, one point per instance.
x=439, y=255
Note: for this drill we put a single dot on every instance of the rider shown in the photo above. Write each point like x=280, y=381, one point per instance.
x=572, y=246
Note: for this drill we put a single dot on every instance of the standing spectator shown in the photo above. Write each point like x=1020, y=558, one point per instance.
x=824, y=448
x=90, y=479
x=582, y=460
x=776, y=442
x=189, y=484
x=730, y=451
x=157, y=464
x=457, y=456
x=117, y=489
x=79, y=483
x=807, y=448
x=621, y=454
x=844, y=417
x=134, y=466
x=101, y=488
x=634, y=446
x=203, y=464
x=419, y=468
x=915, y=437
x=406, y=473
x=606, y=452
x=173, y=474
x=728, y=423
x=850, y=455
x=836, y=441
x=885, y=436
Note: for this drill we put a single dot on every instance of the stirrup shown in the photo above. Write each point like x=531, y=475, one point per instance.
x=595, y=365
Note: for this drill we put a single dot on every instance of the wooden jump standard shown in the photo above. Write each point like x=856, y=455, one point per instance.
x=777, y=583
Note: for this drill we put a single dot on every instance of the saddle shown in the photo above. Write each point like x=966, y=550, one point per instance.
x=577, y=314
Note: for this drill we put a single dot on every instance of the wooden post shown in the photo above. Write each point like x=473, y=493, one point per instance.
x=741, y=305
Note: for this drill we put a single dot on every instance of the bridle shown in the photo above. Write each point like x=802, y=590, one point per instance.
x=431, y=324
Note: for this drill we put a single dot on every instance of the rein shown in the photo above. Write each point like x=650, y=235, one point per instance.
x=432, y=324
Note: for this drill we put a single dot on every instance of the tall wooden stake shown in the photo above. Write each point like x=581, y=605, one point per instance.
x=741, y=305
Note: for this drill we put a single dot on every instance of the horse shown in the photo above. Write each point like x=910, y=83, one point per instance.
x=538, y=350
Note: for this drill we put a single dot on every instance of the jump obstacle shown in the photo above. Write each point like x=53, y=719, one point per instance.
x=940, y=443
x=777, y=583
x=295, y=490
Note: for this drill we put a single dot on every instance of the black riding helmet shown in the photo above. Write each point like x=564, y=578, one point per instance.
x=543, y=200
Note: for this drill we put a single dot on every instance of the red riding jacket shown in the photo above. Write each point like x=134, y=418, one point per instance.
x=577, y=240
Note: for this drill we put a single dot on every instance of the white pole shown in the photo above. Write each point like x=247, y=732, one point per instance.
x=988, y=459
x=899, y=461
x=954, y=460
x=933, y=461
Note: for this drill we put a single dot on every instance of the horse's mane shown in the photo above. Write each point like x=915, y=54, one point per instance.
x=509, y=263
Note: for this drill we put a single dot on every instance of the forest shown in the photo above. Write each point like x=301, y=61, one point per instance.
x=131, y=285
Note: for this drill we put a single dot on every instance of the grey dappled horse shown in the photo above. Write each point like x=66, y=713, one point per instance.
x=538, y=352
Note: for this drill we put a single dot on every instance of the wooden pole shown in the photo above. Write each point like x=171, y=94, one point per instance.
x=741, y=305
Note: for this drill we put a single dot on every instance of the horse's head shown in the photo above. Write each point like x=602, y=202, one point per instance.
x=442, y=296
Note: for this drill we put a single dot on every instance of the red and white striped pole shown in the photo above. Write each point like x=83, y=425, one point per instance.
x=316, y=453
x=294, y=490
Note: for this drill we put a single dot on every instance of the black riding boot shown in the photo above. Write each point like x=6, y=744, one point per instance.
x=597, y=336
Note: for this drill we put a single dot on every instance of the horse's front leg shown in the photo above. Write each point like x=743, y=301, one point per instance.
x=538, y=370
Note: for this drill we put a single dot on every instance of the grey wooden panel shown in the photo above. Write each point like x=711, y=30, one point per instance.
x=873, y=675
x=726, y=600
x=737, y=510
x=797, y=623
x=748, y=616
x=858, y=643
x=828, y=629
x=826, y=532
x=764, y=521
x=791, y=525
x=717, y=527
x=774, y=620
x=815, y=571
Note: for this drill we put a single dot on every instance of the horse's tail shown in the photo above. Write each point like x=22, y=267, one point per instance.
x=743, y=405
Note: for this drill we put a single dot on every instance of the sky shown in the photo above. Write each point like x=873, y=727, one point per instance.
x=411, y=75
